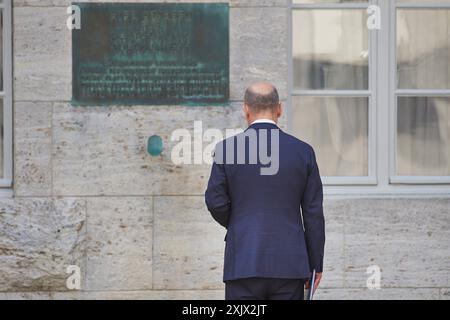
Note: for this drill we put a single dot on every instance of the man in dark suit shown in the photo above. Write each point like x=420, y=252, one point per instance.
x=259, y=181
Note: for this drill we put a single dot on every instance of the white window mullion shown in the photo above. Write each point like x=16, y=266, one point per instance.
x=423, y=5
x=383, y=94
x=373, y=102
x=6, y=180
x=330, y=5
x=392, y=29
x=422, y=93
x=332, y=93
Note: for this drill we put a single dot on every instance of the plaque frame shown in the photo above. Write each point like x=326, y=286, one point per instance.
x=201, y=71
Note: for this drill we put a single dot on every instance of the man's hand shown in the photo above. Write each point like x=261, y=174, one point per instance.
x=316, y=283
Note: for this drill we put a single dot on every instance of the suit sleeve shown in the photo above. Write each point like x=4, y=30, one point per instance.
x=216, y=196
x=313, y=218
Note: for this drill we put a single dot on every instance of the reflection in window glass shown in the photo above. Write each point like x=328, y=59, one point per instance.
x=330, y=49
x=423, y=136
x=423, y=48
x=337, y=128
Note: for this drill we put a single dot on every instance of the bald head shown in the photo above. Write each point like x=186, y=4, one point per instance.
x=262, y=97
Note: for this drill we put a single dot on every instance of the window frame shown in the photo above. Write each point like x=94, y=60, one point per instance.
x=370, y=92
x=381, y=180
x=7, y=180
x=395, y=93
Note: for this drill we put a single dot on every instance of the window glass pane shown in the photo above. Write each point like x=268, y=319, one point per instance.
x=337, y=128
x=423, y=136
x=327, y=1
x=330, y=49
x=423, y=48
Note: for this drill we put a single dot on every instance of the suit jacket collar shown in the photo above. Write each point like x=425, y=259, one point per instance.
x=263, y=125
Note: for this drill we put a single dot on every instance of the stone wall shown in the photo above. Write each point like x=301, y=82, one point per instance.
x=86, y=192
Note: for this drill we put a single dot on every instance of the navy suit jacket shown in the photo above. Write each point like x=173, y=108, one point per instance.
x=275, y=223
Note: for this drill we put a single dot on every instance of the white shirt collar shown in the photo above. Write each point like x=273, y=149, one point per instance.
x=264, y=121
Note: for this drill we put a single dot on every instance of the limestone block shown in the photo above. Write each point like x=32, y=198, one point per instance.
x=383, y=294
x=42, y=54
x=398, y=219
x=189, y=245
x=445, y=294
x=258, y=48
x=322, y=294
x=39, y=3
x=402, y=263
x=258, y=3
x=157, y=295
x=119, y=243
x=333, y=274
x=103, y=150
x=407, y=239
x=42, y=295
x=39, y=238
x=32, y=148
x=117, y=295
x=236, y=3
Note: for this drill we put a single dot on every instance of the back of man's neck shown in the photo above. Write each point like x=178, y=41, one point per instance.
x=263, y=120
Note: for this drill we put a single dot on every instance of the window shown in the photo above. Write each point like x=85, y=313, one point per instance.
x=374, y=104
x=5, y=95
x=332, y=85
x=422, y=93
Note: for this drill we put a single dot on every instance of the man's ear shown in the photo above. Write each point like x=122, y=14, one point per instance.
x=246, y=110
x=279, y=110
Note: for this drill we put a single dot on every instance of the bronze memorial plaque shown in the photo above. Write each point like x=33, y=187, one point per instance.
x=129, y=54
